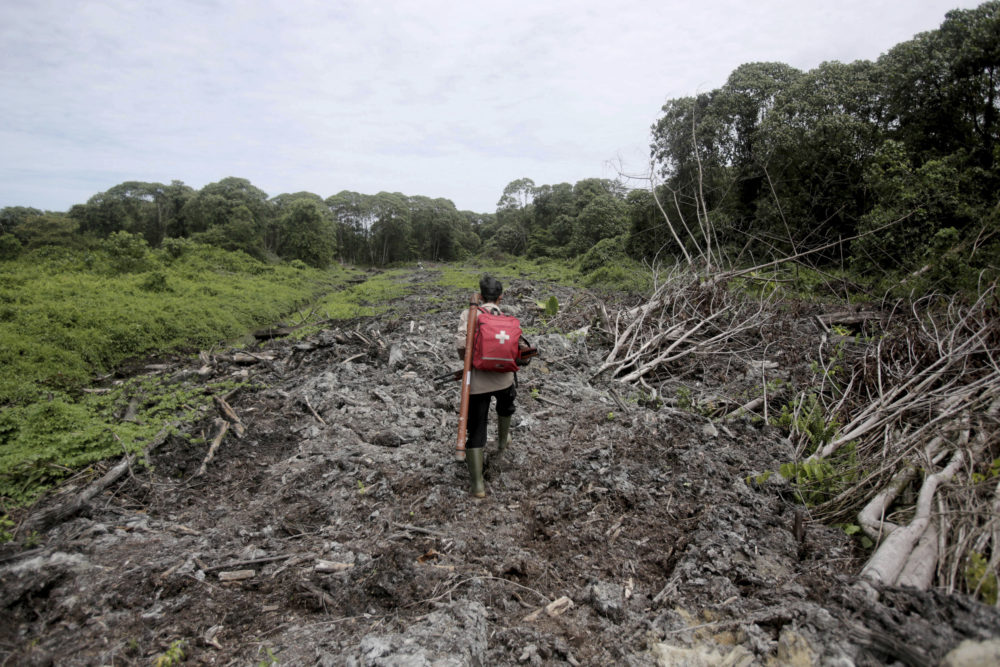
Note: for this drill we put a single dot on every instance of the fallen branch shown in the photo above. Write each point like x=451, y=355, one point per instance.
x=312, y=410
x=223, y=427
x=78, y=502
x=230, y=415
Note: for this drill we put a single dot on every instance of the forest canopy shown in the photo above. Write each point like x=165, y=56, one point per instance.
x=880, y=168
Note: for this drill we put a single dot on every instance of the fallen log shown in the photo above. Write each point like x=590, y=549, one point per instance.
x=745, y=408
x=271, y=333
x=848, y=317
x=76, y=504
x=245, y=358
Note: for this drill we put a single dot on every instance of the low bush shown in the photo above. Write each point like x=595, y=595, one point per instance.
x=625, y=276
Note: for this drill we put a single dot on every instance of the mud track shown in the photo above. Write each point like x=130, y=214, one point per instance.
x=339, y=531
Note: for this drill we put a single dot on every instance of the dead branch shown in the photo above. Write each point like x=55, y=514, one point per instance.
x=223, y=426
x=230, y=415
x=313, y=411
x=78, y=502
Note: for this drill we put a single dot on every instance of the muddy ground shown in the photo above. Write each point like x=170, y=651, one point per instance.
x=338, y=530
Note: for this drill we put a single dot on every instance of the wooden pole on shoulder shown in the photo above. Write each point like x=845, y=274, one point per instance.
x=463, y=409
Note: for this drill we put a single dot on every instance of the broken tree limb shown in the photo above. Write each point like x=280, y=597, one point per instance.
x=313, y=410
x=847, y=317
x=246, y=358
x=230, y=415
x=872, y=517
x=78, y=502
x=745, y=408
x=223, y=426
x=920, y=566
x=253, y=561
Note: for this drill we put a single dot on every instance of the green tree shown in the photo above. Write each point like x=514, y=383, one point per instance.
x=13, y=216
x=354, y=216
x=434, y=226
x=279, y=207
x=604, y=217
x=391, y=240
x=515, y=216
x=149, y=209
x=820, y=137
x=48, y=229
x=305, y=231
x=232, y=214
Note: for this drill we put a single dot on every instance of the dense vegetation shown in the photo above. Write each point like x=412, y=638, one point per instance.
x=69, y=314
x=901, y=152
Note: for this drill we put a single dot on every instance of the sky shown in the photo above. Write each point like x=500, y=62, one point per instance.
x=438, y=98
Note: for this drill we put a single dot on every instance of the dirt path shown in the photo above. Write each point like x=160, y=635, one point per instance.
x=339, y=531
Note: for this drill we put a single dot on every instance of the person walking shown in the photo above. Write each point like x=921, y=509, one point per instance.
x=483, y=388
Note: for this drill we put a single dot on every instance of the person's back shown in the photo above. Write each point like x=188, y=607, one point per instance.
x=484, y=387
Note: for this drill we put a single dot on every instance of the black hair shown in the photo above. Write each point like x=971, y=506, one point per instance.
x=490, y=288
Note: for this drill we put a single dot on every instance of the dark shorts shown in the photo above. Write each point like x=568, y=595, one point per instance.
x=479, y=412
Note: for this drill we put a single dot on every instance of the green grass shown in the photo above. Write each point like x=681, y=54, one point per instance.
x=68, y=315
x=372, y=297
x=557, y=271
x=45, y=441
x=65, y=316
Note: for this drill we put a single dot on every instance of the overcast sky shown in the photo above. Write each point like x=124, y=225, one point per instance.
x=435, y=98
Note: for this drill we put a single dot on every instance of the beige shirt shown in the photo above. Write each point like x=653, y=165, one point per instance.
x=483, y=382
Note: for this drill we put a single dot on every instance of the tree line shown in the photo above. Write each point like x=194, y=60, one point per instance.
x=236, y=215
x=884, y=166
x=897, y=157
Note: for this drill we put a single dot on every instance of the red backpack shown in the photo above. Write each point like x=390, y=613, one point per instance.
x=494, y=347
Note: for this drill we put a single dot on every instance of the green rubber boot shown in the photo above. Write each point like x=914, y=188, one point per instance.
x=474, y=461
x=503, y=434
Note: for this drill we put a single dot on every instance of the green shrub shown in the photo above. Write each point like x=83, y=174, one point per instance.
x=821, y=480
x=605, y=253
x=127, y=252
x=175, y=247
x=805, y=415
x=980, y=580
x=155, y=281
x=76, y=321
x=626, y=276
x=10, y=247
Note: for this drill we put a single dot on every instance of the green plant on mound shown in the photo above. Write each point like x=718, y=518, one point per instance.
x=980, y=579
x=806, y=416
x=460, y=277
x=604, y=253
x=553, y=270
x=371, y=297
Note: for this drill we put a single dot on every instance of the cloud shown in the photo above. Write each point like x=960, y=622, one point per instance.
x=437, y=98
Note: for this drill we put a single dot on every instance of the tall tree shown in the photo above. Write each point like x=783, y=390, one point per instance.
x=391, y=240
x=305, y=231
x=354, y=216
x=231, y=213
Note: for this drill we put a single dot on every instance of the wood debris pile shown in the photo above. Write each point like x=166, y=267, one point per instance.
x=895, y=416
